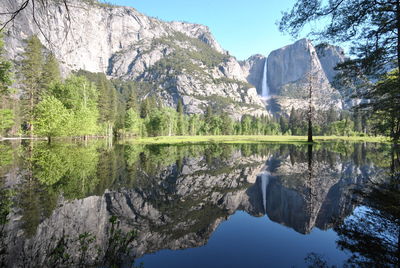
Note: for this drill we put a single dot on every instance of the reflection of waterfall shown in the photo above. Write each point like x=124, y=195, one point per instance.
x=264, y=86
x=264, y=186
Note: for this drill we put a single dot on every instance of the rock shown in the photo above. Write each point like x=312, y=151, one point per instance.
x=329, y=57
x=178, y=60
x=288, y=75
x=253, y=69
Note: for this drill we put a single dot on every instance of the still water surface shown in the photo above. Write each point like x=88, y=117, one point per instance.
x=242, y=205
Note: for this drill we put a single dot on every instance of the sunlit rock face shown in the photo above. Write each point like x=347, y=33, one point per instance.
x=177, y=60
x=288, y=75
x=176, y=206
x=330, y=56
x=253, y=69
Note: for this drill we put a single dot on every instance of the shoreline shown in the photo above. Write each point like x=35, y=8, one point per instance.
x=227, y=139
x=231, y=139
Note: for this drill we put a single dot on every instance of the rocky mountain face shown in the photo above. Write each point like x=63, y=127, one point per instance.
x=177, y=60
x=253, y=69
x=288, y=75
x=329, y=57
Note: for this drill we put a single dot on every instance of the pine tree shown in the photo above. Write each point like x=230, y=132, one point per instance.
x=51, y=72
x=6, y=115
x=5, y=72
x=132, y=102
x=145, y=108
x=179, y=107
x=181, y=124
x=107, y=103
x=293, y=121
x=31, y=70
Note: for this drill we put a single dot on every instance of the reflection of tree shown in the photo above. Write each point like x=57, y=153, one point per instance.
x=372, y=235
x=310, y=194
x=70, y=169
x=50, y=170
x=5, y=207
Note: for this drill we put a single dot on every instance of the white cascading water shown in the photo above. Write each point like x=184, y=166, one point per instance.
x=264, y=85
x=264, y=186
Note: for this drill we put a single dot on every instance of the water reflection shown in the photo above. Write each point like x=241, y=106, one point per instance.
x=91, y=203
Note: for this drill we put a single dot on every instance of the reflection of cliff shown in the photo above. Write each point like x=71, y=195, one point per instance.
x=169, y=209
x=179, y=205
x=302, y=201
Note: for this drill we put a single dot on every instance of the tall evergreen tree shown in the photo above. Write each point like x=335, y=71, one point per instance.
x=107, y=103
x=5, y=72
x=181, y=123
x=6, y=115
x=31, y=70
x=179, y=107
x=132, y=102
x=50, y=72
x=145, y=108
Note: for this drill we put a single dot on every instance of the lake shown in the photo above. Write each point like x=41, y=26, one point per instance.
x=212, y=205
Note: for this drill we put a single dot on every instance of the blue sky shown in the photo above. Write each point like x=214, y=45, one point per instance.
x=243, y=27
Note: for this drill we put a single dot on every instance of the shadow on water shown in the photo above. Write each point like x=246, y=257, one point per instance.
x=99, y=205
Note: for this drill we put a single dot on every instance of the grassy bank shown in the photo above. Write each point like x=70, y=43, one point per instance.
x=251, y=139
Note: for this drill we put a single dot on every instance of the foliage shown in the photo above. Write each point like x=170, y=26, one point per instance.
x=50, y=72
x=371, y=26
x=109, y=105
x=69, y=169
x=6, y=120
x=80, y=97
x=5, y=71
x=382, y=104
x=52, y=118
x=31, y=71
x=133, y=122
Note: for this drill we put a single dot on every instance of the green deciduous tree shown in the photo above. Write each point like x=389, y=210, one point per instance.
x=133, y=122
x=80, y=97
x=52, y=119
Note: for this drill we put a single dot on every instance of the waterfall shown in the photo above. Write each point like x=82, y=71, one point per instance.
x=264, y=186
x=264, y=86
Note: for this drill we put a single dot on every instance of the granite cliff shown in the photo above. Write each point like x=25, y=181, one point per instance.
x=288, y=75
x=177, y=60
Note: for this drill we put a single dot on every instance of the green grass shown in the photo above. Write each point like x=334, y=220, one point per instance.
x=251, y=139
